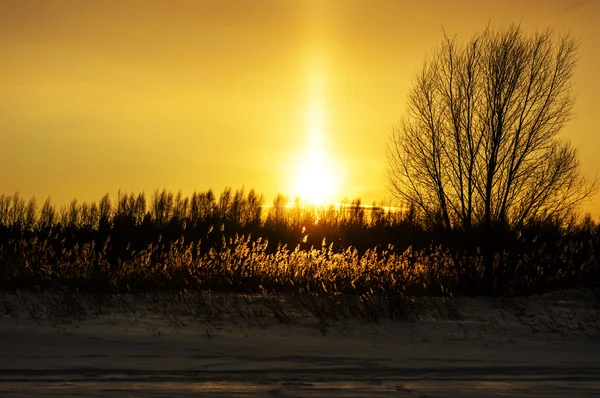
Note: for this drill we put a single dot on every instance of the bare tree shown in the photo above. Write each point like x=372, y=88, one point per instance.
x=479, y=143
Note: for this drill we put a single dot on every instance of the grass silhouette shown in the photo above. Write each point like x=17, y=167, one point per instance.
x=234, y=243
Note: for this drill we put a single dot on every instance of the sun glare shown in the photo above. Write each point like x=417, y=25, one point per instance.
x=317, y=175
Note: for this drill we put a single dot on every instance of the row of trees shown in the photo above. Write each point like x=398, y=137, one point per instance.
x=132, y=218
x=235, y=208
x=106, y=236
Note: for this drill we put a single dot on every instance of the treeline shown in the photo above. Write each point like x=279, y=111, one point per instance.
x=39, y=244
x=134, y=220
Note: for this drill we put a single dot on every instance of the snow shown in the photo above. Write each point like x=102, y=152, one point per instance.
x=53, y=345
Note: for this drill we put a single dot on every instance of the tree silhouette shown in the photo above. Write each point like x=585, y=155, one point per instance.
x=478, y=148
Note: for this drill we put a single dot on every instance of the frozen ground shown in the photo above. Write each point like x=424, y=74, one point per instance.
x=139, y=347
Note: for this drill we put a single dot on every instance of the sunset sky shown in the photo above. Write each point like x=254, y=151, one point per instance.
x=280, y=96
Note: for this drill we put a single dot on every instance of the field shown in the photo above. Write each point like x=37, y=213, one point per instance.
x=246, y=345
x=198, y=296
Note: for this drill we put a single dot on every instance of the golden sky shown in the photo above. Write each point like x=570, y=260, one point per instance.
x=98, y=96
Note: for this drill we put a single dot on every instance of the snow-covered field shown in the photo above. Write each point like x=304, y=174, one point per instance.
x=52, y=345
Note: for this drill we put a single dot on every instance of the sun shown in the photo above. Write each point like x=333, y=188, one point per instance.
x=316, y=178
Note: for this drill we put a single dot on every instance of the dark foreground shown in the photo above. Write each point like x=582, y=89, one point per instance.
x=488, y=352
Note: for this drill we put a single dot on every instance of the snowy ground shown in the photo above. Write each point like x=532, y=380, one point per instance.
x=56, y=346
